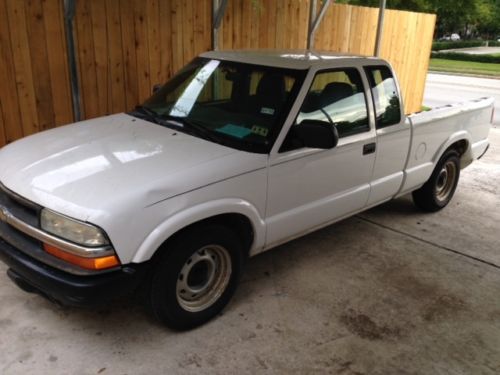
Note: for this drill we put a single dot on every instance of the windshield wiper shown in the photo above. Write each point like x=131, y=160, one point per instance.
x=149, y=114
x=192, y=127
x=176, y=122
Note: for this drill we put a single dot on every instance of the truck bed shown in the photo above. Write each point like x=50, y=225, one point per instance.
x=435, y=130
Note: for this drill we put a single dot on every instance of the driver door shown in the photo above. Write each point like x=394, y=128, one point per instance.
x=309, y=188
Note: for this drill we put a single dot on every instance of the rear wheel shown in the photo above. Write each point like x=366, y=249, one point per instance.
x=437, y=192
x=196, y=276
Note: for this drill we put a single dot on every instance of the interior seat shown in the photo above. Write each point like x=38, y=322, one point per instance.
x=270, y=94
x=334, y=92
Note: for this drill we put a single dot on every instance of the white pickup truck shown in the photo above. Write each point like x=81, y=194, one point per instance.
x=239, y=152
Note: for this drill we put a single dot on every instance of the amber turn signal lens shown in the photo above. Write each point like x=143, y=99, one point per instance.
x=87, y=263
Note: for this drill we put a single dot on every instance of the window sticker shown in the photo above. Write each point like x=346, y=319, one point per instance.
x=267, y=111
x=259, y=130
x=234, y=131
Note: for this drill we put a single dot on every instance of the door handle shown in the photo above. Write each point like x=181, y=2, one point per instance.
x=369, y=148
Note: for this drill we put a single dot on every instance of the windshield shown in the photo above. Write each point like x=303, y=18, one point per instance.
x=239, y=105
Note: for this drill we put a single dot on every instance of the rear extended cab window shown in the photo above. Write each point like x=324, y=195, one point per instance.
x=385, y=96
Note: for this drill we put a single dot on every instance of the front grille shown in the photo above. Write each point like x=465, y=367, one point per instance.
x=19, y=207
x=19, y=239
x=26, y=211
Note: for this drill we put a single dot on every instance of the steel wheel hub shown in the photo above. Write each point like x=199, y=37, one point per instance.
x=446, y=181
x=203, y=278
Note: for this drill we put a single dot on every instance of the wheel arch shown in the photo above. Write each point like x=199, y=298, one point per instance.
x=240, y=216
x=460, y=142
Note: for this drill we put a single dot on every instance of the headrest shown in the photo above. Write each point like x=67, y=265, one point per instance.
x=271, y=89
x=334, y=92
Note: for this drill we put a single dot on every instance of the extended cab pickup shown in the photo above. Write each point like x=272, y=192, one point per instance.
x=237, y=153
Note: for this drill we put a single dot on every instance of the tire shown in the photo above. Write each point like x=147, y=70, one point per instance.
x=437, y=192
x=196, y=276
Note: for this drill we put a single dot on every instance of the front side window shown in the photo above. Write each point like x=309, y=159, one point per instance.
x=385, y=96
x=235, y=104
x=337, y=97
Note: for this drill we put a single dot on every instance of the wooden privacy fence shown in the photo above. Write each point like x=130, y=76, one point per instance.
x=34, y=89
x=124, y=47
x=406, y=41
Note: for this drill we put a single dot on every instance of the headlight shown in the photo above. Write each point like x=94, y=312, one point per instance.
x=72, y=230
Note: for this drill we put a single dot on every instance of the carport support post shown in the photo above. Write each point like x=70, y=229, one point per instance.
x=380, y=28
x=69, y=15
x=314, y=20
x=218, y=9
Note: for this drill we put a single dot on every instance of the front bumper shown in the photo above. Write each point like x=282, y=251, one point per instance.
x=32, y=275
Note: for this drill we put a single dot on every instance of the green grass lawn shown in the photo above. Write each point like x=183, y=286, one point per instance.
x=466, y=67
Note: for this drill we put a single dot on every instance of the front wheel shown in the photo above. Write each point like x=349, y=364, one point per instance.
x=437, y=192
x=196, y=276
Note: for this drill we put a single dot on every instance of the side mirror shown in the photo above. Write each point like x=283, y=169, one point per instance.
x=156, y=87
x=317, y=134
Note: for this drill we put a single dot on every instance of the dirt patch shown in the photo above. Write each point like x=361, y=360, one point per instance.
x=408, y=284
x=433, y=303
x=364, y=327
x=442, y=307
x=5, y=322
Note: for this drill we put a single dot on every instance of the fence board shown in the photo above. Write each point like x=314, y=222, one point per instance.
x=24, y=74
x=166, y=60
x=116, y=72
x=142, y=75
x=176, y=19
x=86, y=59
x=154, y=42
x=39, y=63
x=2, y=127
x=57, y=62
x=8, y=89
x=187, y=31
x=100, y=63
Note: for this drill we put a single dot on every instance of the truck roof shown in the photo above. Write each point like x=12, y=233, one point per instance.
x=288, y=58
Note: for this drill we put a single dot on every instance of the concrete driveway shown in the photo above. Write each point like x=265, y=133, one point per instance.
x=390, y=291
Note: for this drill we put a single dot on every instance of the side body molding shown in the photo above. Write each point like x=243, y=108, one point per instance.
x=197, y=213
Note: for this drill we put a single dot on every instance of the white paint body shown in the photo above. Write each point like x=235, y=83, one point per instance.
x=142, y=183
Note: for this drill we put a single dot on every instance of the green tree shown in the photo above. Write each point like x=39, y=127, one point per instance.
x=413, y=5
x=453, y=16
x=488, y=20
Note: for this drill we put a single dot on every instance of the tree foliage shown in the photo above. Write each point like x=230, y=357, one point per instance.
x=461, y=16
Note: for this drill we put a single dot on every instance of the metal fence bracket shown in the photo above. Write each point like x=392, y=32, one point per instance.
x=69, y=16
x=315, y=20
x=219, y=7
x=380, y=28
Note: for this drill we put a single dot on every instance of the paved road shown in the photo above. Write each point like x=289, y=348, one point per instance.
x=476, y=50
x=444, y=89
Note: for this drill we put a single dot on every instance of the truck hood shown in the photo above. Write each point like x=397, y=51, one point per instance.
x=83, y=169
